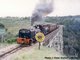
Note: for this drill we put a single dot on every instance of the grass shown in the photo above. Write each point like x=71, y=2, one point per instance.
x=3, y=45
x=36, y=54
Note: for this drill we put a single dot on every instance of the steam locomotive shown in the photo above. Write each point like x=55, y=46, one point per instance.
x=27, y=36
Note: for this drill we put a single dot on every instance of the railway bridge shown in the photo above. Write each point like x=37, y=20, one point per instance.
x=55, y=39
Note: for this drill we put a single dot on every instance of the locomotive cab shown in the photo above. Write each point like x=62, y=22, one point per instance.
x=24, y=37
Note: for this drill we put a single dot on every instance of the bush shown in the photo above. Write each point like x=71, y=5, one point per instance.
x=11, y=41
x=2, y=26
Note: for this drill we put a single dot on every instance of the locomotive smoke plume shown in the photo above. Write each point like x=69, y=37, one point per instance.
x=42, y=9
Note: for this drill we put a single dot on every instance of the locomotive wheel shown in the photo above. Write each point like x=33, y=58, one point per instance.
x=30, y=43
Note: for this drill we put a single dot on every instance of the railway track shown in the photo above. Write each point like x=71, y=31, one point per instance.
x=3, y=55
x=14, y=50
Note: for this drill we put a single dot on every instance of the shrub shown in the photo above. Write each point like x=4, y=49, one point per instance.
x=11, y=41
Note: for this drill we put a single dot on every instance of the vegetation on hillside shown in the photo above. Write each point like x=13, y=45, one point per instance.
x=71, y=33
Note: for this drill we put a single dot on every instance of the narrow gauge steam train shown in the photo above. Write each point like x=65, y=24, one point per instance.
x=27, y=36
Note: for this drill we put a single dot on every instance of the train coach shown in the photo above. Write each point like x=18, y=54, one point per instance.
x=47, y=28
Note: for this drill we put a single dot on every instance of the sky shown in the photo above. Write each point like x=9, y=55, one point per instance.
x=22, y=8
